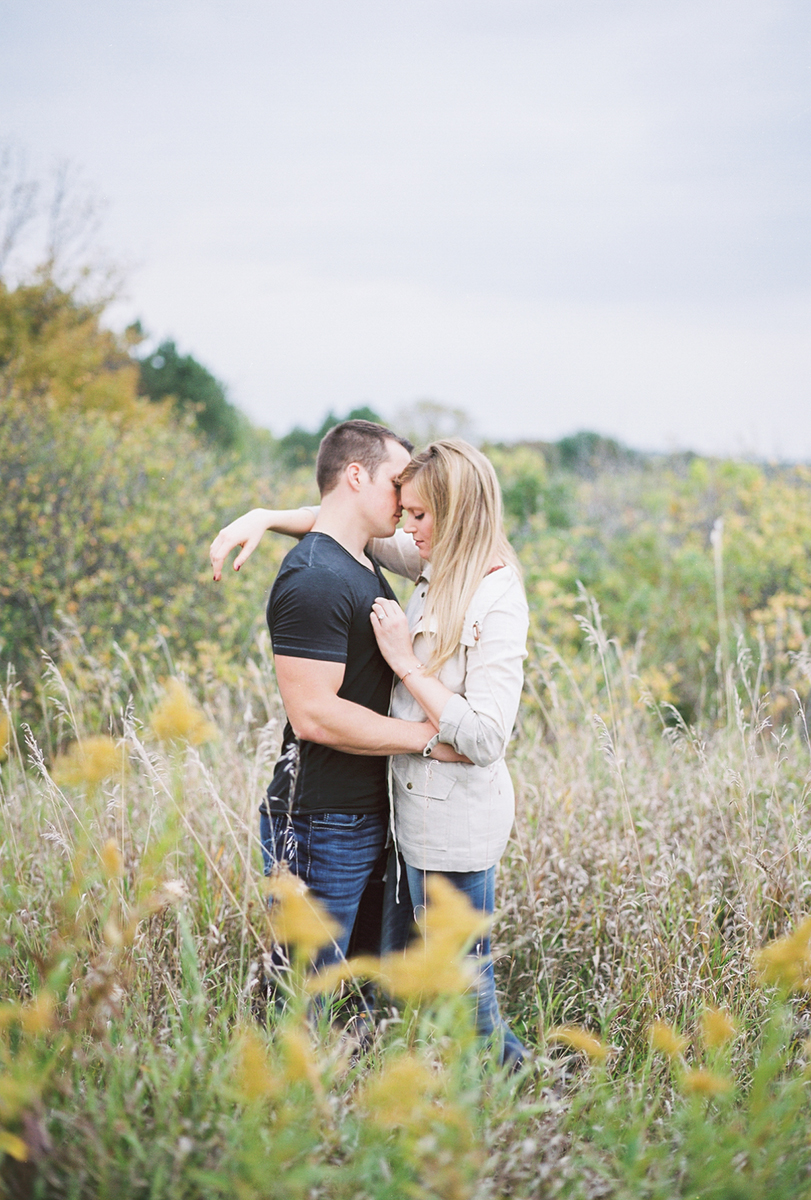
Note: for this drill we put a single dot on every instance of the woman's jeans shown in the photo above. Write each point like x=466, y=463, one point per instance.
x=479, y=887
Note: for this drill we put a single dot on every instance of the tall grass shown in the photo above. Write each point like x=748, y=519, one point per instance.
x=651, y=861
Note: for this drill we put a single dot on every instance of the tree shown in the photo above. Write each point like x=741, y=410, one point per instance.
x=427, y=421
x=193, y=389
x=53, y=350
x=299, y=447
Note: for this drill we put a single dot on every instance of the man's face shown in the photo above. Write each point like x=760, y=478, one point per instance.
x=382, y=496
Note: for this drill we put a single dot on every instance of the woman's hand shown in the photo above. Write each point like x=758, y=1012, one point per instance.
x=442, y=752
x=393, y=637
x=246, y=532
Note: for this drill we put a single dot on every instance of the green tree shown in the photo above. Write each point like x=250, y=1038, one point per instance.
x=299, y=447
x=192, y=388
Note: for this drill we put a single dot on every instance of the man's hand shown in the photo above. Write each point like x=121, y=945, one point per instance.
x=246, y=531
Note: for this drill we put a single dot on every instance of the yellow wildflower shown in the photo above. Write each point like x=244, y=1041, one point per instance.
x=299, y=1062
x=706, y=1083
x=450, y=920
x=39, y=1015
x=111, y=860
x=717, y=1027
x=5, y=736
x=177, y=718
x=252, y=1073
x=15, y=1096
x=664, y=1038
x=91, y=760
x=431, y=966
x=787, y=960
x=13, y=1145
x=580, y=1039
x=297, y=918
x=400, y=1093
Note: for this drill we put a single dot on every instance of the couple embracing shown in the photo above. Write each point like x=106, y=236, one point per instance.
x=435, y=689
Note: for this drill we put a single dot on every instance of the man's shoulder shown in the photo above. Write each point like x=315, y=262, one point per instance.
x=320, y=565
x=317, y=552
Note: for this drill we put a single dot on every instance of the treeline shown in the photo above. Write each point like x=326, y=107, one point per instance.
x=118, y=467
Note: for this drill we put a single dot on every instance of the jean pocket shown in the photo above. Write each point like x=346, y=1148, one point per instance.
x=338, y=820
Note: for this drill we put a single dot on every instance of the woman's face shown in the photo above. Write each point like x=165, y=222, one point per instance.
x=417, y=520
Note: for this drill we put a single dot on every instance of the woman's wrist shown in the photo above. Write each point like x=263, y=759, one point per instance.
x=414, y=666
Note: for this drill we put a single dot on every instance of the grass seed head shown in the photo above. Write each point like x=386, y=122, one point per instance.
x=177, y=718
x=663, y=1037
x=580, y=1039
x=5, y=736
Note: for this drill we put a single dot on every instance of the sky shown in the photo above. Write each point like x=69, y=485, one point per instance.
x=554, y=214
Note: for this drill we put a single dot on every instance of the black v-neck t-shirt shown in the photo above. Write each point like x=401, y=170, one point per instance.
x=319, y=608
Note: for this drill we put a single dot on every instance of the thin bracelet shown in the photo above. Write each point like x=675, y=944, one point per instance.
x=403, y=678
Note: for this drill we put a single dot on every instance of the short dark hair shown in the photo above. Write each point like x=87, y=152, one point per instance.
x=357, y=441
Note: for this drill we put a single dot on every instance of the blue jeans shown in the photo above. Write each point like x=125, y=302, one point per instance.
x=340, y=856
x=479, y=887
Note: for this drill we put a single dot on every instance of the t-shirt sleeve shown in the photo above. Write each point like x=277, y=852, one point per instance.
x=309, y=616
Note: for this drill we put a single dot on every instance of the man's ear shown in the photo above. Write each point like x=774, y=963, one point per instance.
x=355, y=474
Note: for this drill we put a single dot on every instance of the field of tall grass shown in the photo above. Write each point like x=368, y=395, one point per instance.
x=651, y=948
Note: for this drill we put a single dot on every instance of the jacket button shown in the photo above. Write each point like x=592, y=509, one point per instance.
x=409, y=786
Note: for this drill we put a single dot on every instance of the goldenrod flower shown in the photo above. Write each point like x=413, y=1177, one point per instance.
x=13, y=1145
x=297, y=918
x=787, y=960
x=450, y=919
x=91, y=760
x=252, y=1073
x=580, y=1039
x=39, y=1015
x=400, y=1093
x=706, y=1083
x=663, y=1037
x=5, y=736
x=177, y=718
x=299, y=1062
x=717, y=1027
x=111, y=860
x=431, y=966
x=15, y=1096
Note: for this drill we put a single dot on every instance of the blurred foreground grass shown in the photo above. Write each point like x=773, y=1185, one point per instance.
x=651, y=863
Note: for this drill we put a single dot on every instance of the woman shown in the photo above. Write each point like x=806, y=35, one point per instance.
x=458, y=652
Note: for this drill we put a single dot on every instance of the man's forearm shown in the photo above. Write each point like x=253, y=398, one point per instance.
x=350, y=727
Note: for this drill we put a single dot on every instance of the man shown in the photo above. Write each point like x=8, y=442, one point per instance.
x=326, y=811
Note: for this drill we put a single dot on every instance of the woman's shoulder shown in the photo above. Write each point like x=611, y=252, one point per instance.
x=501, y=582
x=502, y=589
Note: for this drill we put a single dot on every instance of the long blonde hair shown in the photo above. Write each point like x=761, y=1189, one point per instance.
x=458, y=486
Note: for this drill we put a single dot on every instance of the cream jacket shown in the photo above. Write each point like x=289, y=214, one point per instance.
x=456, y=816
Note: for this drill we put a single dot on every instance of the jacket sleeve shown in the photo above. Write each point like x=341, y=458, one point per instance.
x=478, y=723
x=398, y=554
